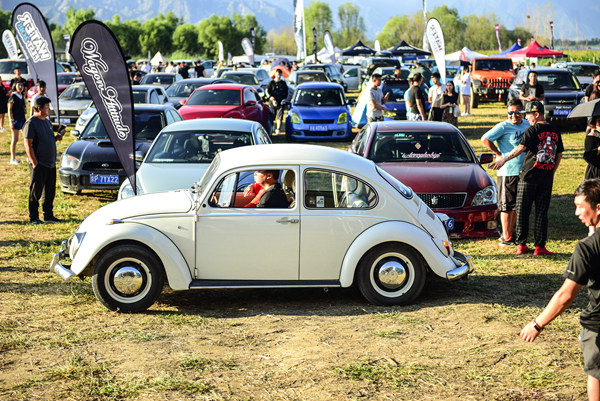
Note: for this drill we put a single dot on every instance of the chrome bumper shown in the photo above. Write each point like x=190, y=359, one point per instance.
x=57, y=267
x=465, y=263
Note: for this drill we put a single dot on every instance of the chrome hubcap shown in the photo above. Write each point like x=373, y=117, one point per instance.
x=128, y=280
x=392, y=274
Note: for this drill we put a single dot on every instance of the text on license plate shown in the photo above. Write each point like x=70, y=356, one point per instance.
x=104, y=179
x=63, y=120
x=449, y=223
x=562, y=112
x=318, y=128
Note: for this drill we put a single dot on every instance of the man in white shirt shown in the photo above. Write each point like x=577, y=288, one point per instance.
x=376, y=100
x=436, y=93
x=466, y=91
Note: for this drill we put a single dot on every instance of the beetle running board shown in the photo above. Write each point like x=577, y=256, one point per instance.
x=206, y=284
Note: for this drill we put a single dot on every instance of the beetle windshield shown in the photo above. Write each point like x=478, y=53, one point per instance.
x=195, y=146
x=420, y=147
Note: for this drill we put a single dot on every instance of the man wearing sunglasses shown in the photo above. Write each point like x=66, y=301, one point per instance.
x=501, y=140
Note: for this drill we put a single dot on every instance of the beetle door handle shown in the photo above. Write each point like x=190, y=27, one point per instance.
x=289, y=221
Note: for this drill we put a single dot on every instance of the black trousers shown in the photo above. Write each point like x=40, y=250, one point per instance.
x=527, y=195
x=43, y=187
x=436, y=114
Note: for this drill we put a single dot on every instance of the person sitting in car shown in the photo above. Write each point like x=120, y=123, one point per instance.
x=274, y=196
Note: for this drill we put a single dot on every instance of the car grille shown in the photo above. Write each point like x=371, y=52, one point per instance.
x=103, y=166
x=318, y=121
x=318, y=133
x=444, y=201
x=498, y=83
x=561, y=101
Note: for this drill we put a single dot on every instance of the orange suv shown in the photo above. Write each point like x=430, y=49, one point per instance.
x=491, y=77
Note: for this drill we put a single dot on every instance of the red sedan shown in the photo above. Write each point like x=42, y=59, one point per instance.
x=439, y=164
x=227, y=101
x=64, y=80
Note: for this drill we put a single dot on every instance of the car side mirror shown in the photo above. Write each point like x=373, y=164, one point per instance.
x=75, y=133
x=250, y=103
x=139, y=156
x=183, y=102
x=285, y=102
x=351, y=102
x=292, y=83
x=485, y=158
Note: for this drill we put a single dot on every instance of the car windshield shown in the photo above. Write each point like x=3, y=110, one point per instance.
x=583, y=70
x=558, y=81
x=67, y=79
x=140, y=96
x=493, y=65
x=183, y=89
x=313, y=67
x=222, y=71
x=146, y=125
x=195, y=146
x=420, y=147
x=158, y=79
x=76, y=92
x=450, y=72
x=215, y=97
x=318, y=77
x=396, y=91
x=8, y=67
x=319, y=97
x=244, y=79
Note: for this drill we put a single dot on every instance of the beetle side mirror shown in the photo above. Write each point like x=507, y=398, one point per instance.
x=485, y=158
x=75, y=133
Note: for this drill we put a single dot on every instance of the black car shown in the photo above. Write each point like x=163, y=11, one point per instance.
x=562, y=92
x=91, y=161
x=331, y=70
x=181, y=90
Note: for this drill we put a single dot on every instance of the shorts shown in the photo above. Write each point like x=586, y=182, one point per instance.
x=18, y=124
x=374, y=118
x=278, y=111
x=588, y=342
x=507, y=193
x=414, y=117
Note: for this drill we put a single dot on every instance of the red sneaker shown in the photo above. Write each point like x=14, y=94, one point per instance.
x=542, y=251
x=521, y=249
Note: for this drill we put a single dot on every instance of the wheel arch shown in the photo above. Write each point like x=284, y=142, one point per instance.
x=394, y=232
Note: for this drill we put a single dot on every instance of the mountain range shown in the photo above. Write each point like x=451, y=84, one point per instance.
x=572, y=20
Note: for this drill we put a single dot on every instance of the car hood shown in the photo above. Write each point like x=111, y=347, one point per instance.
x=100, y=149
x=424, y=177
x=188, y=112
x=563, y=95
x=161, y=177
x=319, y=112
x=141, y=205
x=74, y=104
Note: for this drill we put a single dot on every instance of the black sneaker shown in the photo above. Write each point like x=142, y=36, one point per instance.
x=36, y=222
x=509, y=242
x=52, y=220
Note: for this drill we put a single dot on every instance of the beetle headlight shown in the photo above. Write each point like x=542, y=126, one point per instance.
x=295, y=118
x=343, y=118
x=486, y=196
x=69, y=161
x=76, y=241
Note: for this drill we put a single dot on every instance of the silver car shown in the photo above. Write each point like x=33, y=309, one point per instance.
x=73, y=101
x=245, y=78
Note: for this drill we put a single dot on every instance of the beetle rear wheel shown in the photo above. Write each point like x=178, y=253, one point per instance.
x=391, y=274
x=128, y=278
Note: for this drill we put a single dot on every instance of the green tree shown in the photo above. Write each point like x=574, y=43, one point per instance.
x=352, y=25
x=157, y=33
x=318, y=15
x=282, y=42
x=76, y=17
x=243, y=24
x=185, y=39
x=452, y=26
x=5, y=17
x=127, y=33
x=480, y=32
x=216, y=28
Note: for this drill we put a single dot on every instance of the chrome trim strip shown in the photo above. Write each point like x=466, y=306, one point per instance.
x=160, y=216
x=202, y=287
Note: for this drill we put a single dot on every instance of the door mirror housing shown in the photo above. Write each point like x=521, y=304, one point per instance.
x=75, y=133
x=485, y=158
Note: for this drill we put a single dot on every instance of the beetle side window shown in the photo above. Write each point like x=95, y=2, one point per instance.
x=333, y=190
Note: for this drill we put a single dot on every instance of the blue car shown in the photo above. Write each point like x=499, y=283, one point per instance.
x=318, y=110
x=398, y=91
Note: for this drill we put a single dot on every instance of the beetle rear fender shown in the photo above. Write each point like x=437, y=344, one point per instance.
x=394, y=231
x=102, y=237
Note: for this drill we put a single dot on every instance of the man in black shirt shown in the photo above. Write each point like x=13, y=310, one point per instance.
x=543, y=147
x=277, y=90
x=18, y=78
x=199, y=69
x=40, y=145
x=415, y=102
x=183, y=71
x=532, y=90
x=274, y=196
x=582, y=270
x=590, y=87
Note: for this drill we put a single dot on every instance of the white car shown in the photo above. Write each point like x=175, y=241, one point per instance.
x=347, y=221
x=182, y=152
x=352, y=76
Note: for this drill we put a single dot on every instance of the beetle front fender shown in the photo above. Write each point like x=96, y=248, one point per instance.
x=176, y=268
x=394, y=231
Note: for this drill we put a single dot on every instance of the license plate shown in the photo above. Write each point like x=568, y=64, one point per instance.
x=499, y=90
x=63, y=120
x=449, y=223
x=318, y=128
x=562, y=112
x=104, y=179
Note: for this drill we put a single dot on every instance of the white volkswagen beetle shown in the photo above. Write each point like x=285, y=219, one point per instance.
x=347, y=221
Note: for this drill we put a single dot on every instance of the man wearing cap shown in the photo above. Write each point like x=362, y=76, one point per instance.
x=543, y=147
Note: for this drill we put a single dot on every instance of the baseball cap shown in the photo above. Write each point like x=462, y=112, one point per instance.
x=534, y=106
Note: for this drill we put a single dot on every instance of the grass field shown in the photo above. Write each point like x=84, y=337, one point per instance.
x=458, y=341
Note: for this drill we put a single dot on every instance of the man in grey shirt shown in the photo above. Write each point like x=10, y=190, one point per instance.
x=40, y=145
x=376, y=100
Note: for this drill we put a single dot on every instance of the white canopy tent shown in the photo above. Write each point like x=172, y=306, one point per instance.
x=464, y=54
x=323, y=56
x=157, y=58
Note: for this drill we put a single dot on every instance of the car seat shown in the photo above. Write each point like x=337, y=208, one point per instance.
x=383, y=151
x=192, y=147
x=152, y=128
x=352, y=197
x=289, y=187
x=437, y=145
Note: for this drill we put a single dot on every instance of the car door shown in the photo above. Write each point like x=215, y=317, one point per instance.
x=251, y=111
x=245, y=243
x=351, y=78
x=153, y=97
x=335, y=211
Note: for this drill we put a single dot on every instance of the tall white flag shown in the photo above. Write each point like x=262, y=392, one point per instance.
x=11, y=45
x=438, y=48
x=299, y=29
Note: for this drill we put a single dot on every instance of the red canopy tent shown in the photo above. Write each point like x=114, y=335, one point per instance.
x=534, y=50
